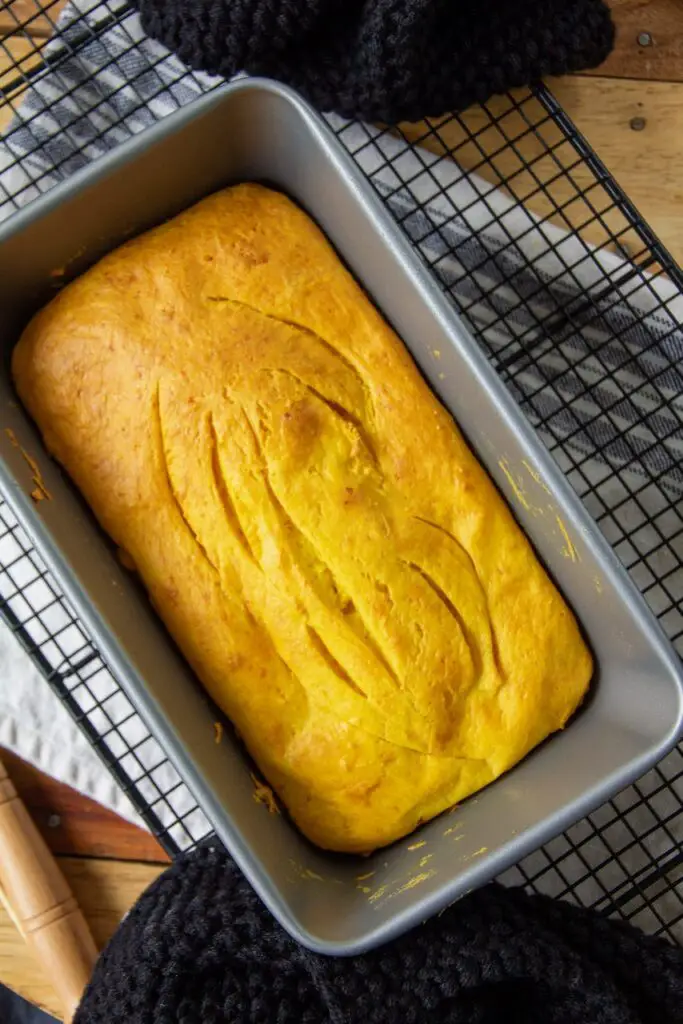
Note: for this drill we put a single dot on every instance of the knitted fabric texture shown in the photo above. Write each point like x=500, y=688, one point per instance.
x=200, y=948
x=387, y=60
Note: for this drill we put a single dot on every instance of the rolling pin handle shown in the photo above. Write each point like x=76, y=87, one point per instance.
x=42, y=903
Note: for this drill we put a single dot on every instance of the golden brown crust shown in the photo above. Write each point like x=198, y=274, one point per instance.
x=331, y=558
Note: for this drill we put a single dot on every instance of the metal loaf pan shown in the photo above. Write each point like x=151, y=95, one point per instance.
x=256, y=130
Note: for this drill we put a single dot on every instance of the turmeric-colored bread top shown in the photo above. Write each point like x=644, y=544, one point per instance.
x=327, y=552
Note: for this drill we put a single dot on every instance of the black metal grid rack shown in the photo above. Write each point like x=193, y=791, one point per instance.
x=571, y=296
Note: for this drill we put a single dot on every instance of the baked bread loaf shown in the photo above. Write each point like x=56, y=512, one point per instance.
x=330, y=557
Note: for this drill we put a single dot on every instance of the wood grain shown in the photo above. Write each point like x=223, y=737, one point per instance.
x=74, y=824
x=662, y=56
x=105, y=891
x=33, y=17
x=17, y=56
x=646, y=162
x=105, y=888
x=41, y=903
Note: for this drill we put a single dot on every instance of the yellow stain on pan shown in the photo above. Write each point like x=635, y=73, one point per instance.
x=535, y=476
x=569, y=551
x=414, y=882
x=307, y=874
x=418, y=846
x=360, y=879
x=516, y=487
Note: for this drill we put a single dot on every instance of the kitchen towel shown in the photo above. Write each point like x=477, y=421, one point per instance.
x=200, y=947
x=105, y=81
x=386, y=60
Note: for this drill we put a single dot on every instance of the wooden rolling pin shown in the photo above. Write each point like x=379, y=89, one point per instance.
x=41, y=902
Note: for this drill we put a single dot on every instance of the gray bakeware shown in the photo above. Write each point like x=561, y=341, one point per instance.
x=257, y=130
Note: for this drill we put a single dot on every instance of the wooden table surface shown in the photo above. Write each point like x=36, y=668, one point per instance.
x=109, y=862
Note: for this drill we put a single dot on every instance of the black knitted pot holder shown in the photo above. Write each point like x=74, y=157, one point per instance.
x=200, y=948
x=386, y=60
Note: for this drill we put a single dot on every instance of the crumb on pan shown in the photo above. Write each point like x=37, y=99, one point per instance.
x=217, y=732
x=125, y=559
x=40, y=491
x=264, y=795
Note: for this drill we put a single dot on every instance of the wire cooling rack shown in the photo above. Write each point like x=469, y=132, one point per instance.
x=571, y=296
